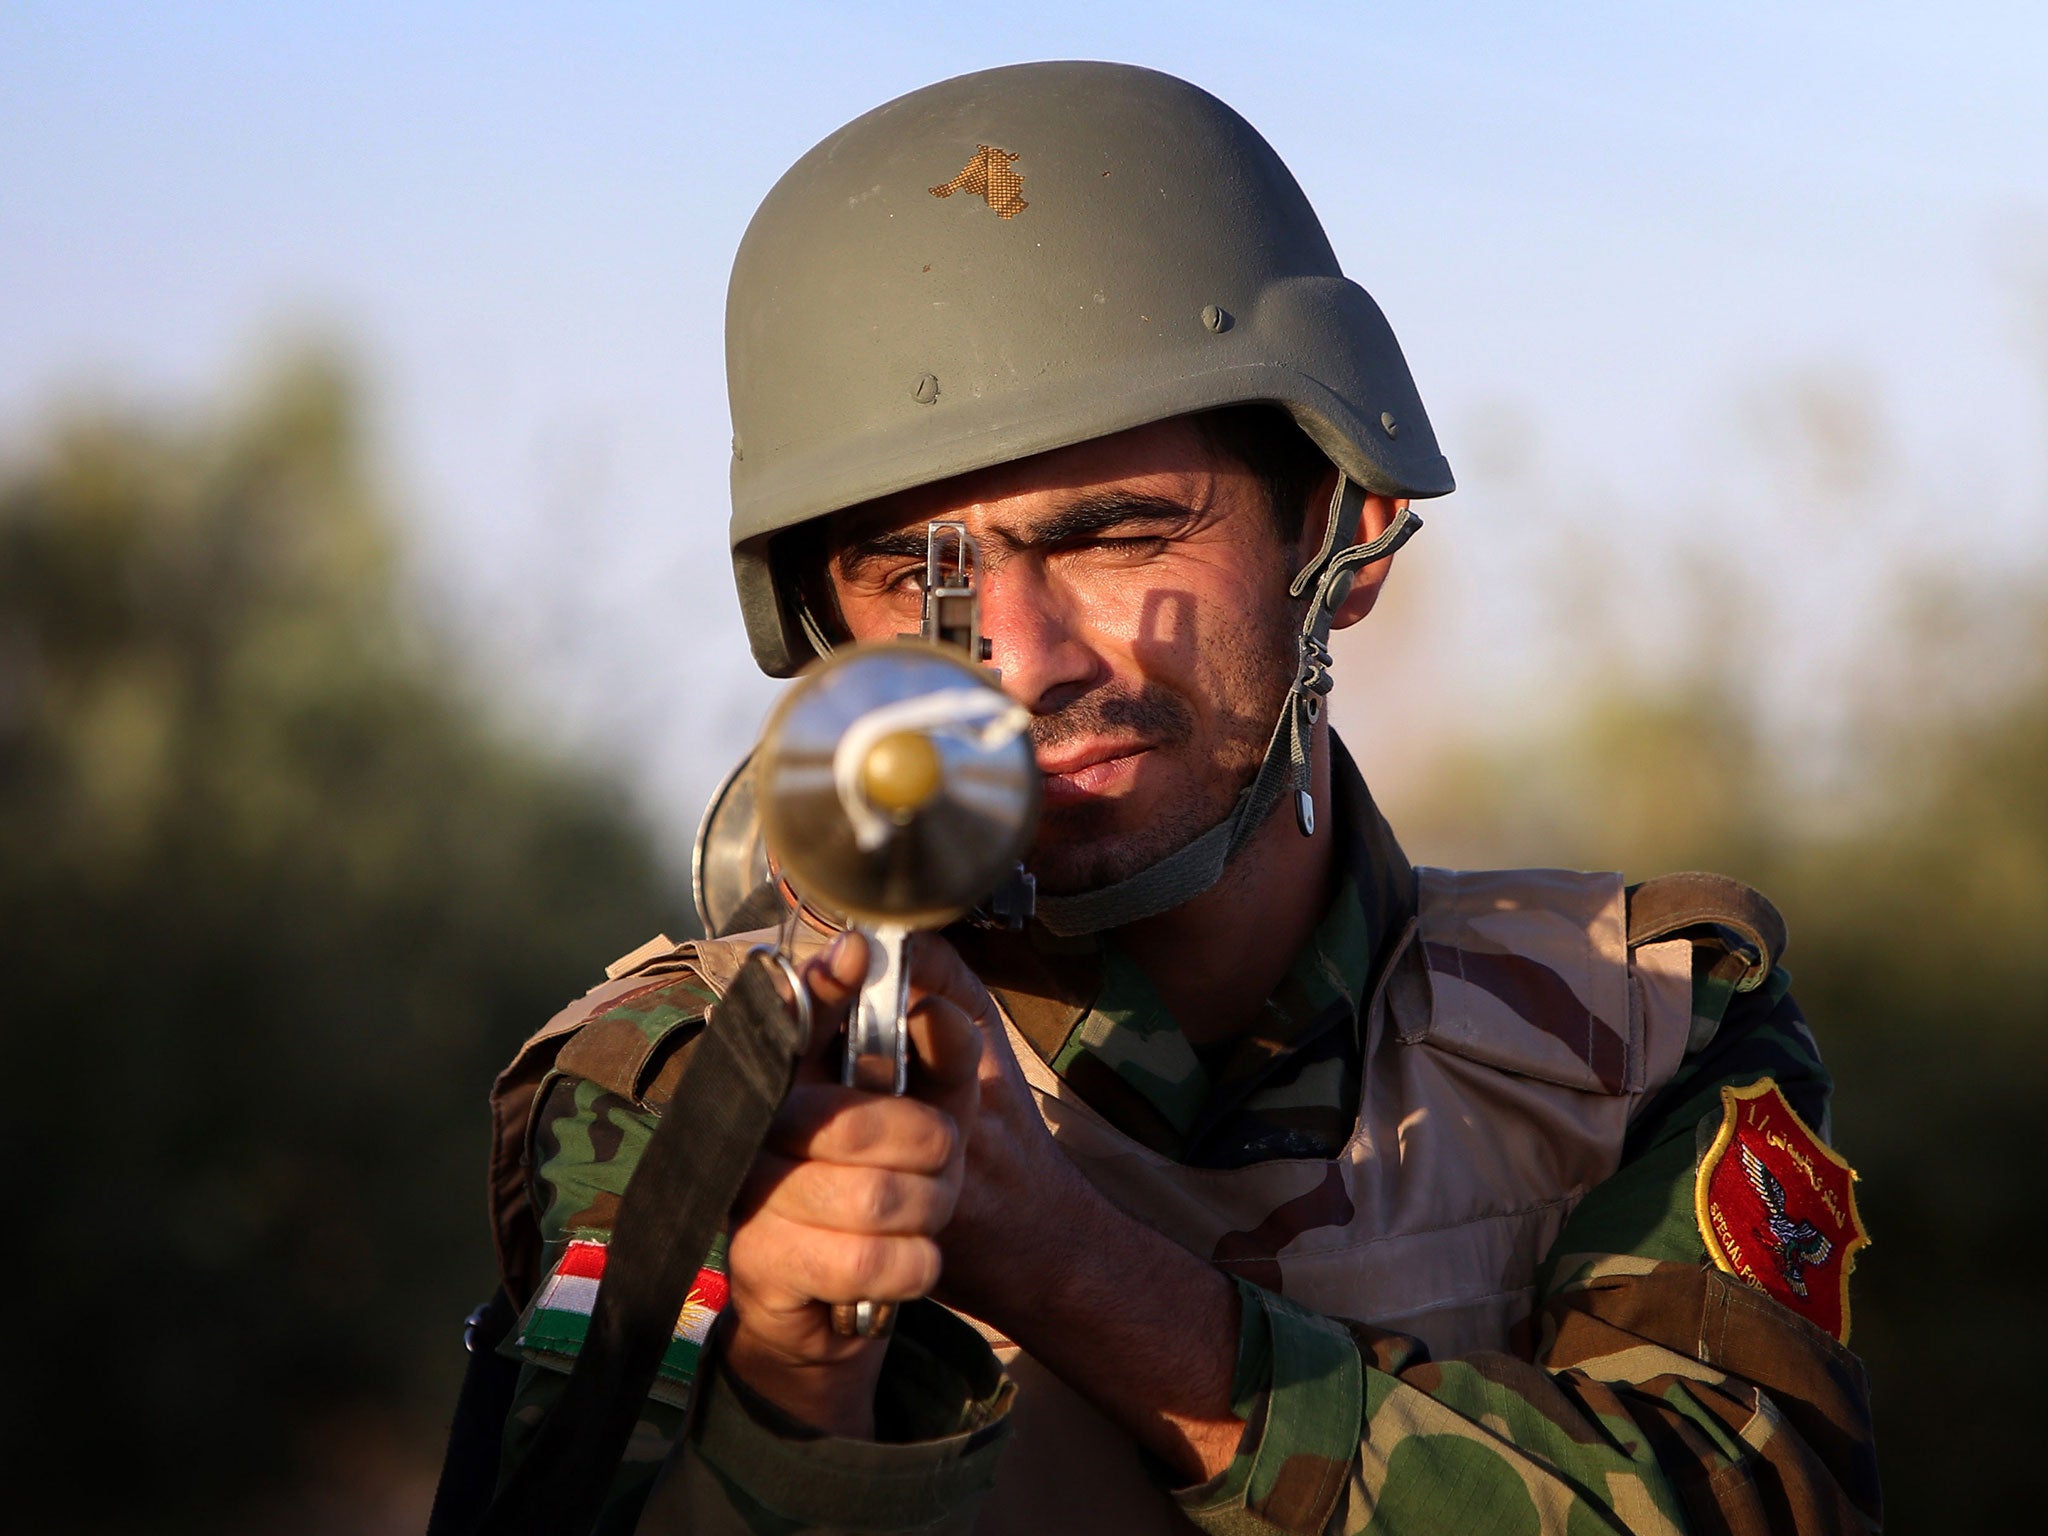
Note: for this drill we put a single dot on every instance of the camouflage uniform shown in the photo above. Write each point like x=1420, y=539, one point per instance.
x=1454, y=1187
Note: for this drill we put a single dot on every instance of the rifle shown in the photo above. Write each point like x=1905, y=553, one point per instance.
x=894, y=789
x=897, y=788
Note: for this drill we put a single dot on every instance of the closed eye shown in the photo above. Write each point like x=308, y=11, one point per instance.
x=1126, y=544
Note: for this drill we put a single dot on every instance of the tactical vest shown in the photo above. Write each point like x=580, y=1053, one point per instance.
x=1511, y=1039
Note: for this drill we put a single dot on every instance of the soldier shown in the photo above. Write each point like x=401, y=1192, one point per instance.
x=1268, y=1182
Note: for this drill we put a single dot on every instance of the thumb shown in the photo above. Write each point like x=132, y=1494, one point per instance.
x=834, y=978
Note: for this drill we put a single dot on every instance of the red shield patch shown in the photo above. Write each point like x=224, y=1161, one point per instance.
x=1777, y=1206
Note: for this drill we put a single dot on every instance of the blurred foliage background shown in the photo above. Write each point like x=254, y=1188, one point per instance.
x=276, y=900
x=278, y=893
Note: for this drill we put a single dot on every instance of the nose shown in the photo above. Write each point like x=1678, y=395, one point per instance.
x=1037, y=636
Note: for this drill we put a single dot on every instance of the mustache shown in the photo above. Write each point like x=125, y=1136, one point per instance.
x=1152, y=714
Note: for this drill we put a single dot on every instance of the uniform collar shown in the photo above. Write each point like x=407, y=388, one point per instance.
x=1090, y=1013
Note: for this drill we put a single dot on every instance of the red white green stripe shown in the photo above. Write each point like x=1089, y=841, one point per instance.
x=556, y=1323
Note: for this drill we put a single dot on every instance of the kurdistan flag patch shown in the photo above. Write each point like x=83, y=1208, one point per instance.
x=556, y=1322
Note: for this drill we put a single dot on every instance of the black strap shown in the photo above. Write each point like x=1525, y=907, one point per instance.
x=763, y=907
x=673, y=1209
x=469, y=1472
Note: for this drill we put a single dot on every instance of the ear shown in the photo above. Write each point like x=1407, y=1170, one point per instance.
x=1365, y=586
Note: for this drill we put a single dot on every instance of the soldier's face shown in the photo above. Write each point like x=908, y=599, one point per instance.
x=1135, y=596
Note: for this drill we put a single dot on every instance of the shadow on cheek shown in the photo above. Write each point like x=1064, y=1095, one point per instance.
x=1166, y=626
x=1238, y=671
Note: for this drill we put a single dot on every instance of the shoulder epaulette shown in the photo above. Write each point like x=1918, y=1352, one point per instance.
x=1670, y=904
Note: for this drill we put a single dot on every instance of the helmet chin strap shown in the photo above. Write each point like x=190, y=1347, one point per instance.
x=1190, y=870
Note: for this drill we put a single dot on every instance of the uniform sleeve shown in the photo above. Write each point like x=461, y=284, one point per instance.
x=942, y=1404
x=1658, y=1394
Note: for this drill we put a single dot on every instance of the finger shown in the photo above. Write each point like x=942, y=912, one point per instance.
x=936, y=969
x=833, y=978
x=835, y=1124
x=846, y=1266
x=838, y=1197
x=939, y=965
x=945, y=1057
x=786, y=1262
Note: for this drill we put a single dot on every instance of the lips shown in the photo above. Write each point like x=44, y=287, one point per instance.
x=1090, y=771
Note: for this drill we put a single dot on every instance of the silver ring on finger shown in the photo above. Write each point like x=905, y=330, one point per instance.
x=797, y=989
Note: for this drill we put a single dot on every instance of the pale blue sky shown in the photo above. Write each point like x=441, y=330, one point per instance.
x=1607, y=235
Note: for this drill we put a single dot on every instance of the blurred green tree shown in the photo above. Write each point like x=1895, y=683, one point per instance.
x=276, y=899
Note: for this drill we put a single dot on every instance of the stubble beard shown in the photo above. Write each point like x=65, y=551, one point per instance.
x=1091, y=844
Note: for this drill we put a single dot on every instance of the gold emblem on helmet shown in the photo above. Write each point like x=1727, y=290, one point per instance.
x=989, y=177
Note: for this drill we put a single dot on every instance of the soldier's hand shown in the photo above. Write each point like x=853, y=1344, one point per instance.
x=848, y=1195
x=1024, y=1206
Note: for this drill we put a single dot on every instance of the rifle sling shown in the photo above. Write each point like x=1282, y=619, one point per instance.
x=673, y=1209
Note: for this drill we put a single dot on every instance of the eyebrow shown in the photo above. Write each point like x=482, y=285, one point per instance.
x=1088, y=517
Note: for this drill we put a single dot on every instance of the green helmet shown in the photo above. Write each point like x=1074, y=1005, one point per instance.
x=1018, y=260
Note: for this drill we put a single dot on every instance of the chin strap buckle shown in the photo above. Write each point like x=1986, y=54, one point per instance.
x=1312, y=684
x=1326, y=581
x=1312, y=679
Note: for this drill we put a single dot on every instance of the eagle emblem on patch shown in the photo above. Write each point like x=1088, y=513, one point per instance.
x=1777, y=1206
